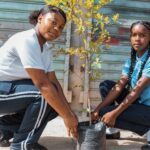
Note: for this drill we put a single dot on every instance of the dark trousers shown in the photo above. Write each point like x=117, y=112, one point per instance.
x=32, y=112
x=135, y=118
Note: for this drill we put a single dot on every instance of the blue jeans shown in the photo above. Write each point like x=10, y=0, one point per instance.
x=135, y=118
x=24, y=98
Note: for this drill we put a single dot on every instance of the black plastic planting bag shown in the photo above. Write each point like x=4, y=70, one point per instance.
x=91, y=137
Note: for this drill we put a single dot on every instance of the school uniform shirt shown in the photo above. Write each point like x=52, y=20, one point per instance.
x=145, y=94
x=22, y=51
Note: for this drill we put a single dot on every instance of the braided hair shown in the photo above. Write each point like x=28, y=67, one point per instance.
x=146, y=24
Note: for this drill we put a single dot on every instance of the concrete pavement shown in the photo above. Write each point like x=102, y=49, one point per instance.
x=55, y=137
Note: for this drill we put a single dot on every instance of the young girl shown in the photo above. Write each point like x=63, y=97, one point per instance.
x=132, y=91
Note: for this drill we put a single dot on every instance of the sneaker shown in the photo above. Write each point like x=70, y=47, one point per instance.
x=112, y=133
x=146, y=147
x=36, y=146
x=5, y=136
x=4, y=143
x=113, y=136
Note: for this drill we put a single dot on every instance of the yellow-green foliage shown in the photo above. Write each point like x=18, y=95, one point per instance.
x=81, y=13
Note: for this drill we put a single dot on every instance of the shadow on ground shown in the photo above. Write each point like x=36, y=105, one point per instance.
x=58, y=143
x=64, y=143
x=125, y=144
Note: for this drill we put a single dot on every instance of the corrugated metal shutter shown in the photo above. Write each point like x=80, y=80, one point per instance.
x=14, y=18
x=114, y=57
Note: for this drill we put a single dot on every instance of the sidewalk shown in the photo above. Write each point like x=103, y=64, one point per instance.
x=55, y=137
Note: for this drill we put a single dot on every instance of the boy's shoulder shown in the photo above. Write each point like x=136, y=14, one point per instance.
x=23, y=34
x=28, y=36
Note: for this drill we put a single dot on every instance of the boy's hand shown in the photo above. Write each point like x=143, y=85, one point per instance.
x=71, y=123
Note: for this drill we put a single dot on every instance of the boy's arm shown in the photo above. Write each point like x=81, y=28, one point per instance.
x=52, y=78
x=52, y=96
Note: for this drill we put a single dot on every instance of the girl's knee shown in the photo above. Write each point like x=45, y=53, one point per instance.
x=102, y=112
x=103, y=83
x=106, y=109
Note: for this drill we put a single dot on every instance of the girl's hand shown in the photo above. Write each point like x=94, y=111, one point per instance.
x=109, y=119
x=95, y=116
